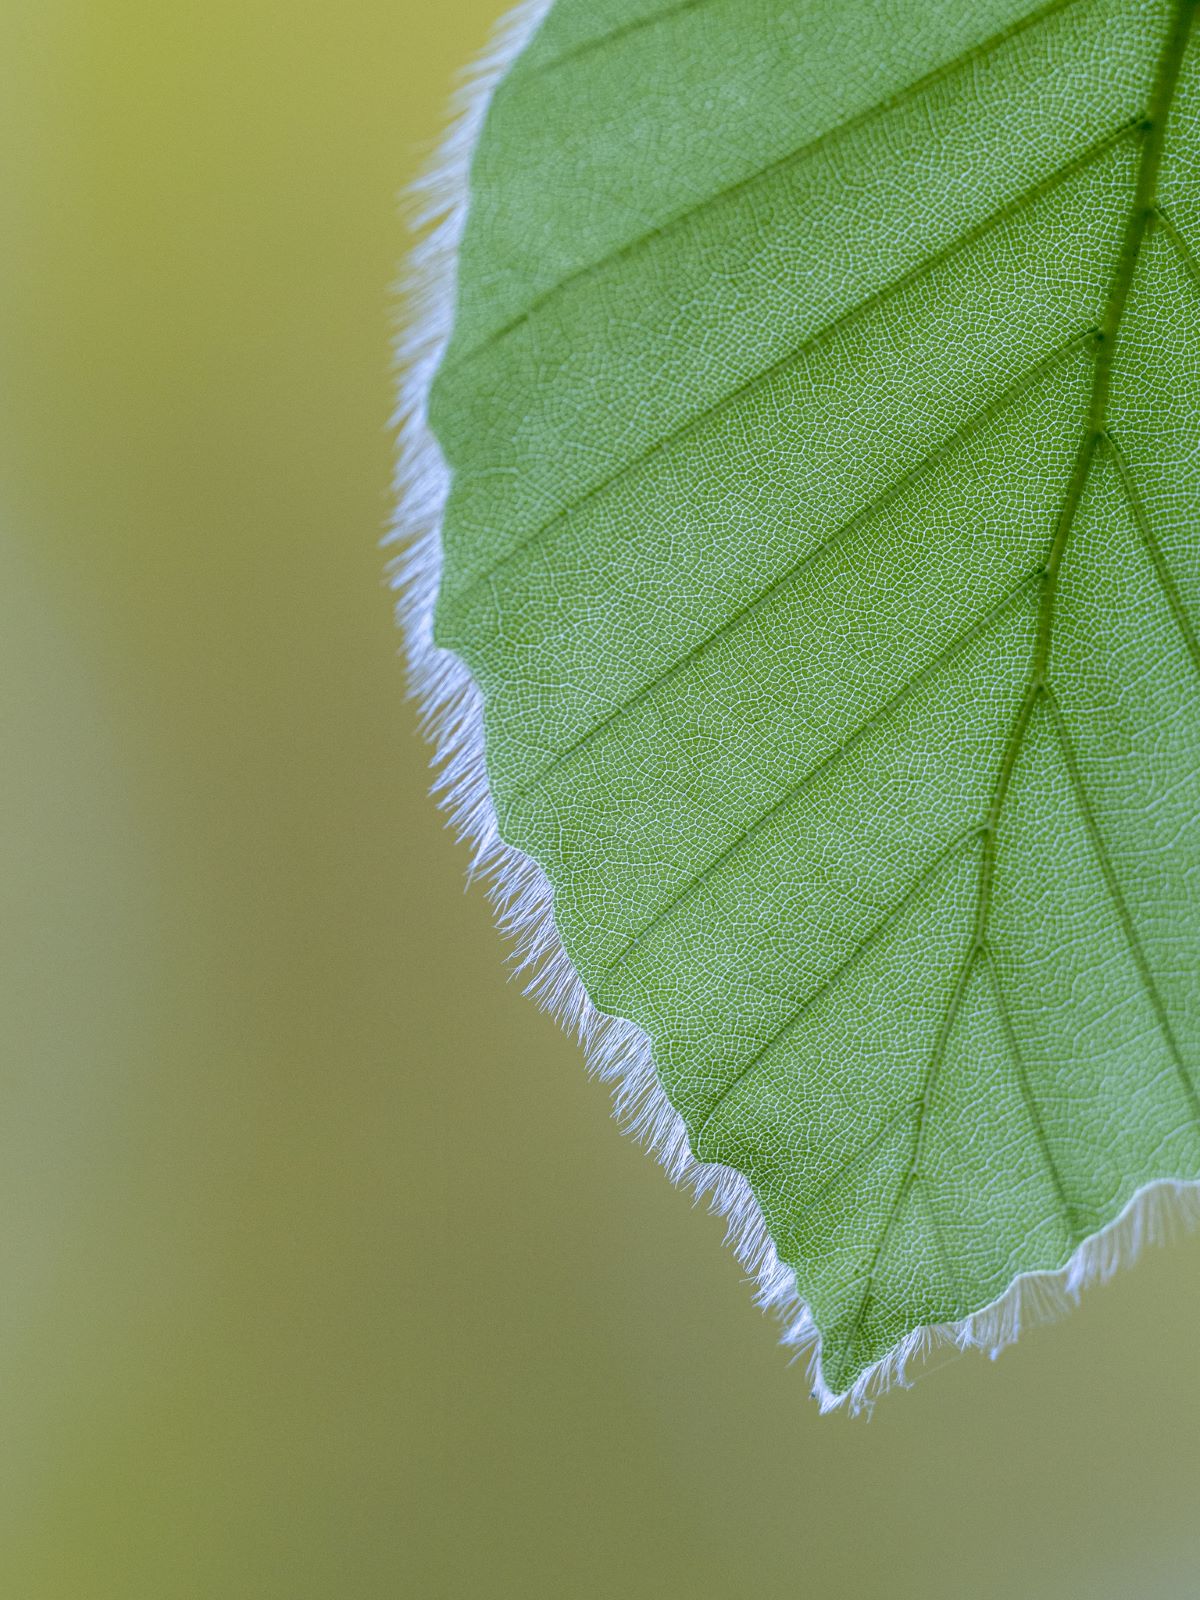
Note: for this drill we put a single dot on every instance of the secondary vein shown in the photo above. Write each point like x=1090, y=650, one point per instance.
x=965, y=61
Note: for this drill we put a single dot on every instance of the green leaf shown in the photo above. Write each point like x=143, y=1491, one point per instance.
x=822, y=409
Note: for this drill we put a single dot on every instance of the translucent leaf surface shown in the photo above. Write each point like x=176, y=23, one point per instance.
x=823, y=413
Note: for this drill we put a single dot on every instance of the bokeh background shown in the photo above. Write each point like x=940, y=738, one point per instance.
x=323, y=1273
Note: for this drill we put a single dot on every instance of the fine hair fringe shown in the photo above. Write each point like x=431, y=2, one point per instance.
x=451, y=716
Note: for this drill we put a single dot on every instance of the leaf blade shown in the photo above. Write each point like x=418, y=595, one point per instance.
x=647, y=686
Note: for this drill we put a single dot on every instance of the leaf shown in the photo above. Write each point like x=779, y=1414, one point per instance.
x=821, y=412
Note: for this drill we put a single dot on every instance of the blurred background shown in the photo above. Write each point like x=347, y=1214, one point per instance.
x=323, y=1273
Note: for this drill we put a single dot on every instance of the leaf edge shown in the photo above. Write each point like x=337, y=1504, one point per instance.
x=450, y=715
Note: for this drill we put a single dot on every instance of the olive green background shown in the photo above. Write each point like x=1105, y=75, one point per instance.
x=323, y=1273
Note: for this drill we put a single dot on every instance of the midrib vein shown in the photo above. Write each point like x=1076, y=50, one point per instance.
x=1095, y=435
x=1142, y=212
x=979, y=955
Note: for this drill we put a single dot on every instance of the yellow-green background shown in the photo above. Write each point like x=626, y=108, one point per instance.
x=323, y=1274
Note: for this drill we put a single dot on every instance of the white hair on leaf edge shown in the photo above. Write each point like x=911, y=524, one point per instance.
x=451, y=716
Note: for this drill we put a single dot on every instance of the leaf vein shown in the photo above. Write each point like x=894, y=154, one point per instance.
x=1113, y=884
x=1184, y=252
x=967, y=59
x=855, y=1330
x=945, y=657
x=930, y=461
x=1143, y=208
x=866, y=943
x=1032, y=1109
x=1158, y=560
x=846, y=319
